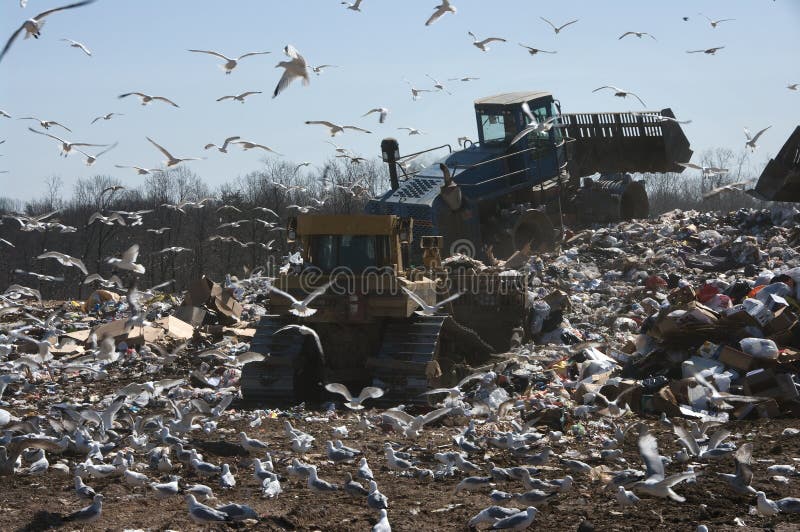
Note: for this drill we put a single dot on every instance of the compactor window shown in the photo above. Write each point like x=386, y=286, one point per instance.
x=356, y=252
x=496, y=128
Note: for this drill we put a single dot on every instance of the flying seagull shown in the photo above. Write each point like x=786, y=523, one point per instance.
x=64, y=259
x=558, y=29
x=354, y=403
x=76, y=44
x=442, y=9
x=224, y=147
x=751, y=140
x=45, y=124
x=230, y=63
x=639, y=34
x=66, y=146
x=481, y=45
x=306, y=331
x=247, y=145
x=106, y=117
x=239, y=97
x=318, y=69
x=383, y=113
x=91, y=159
x=335, y=129
x=534, y=51
x=146, y=98
x=296, y=68
x=620, y=92
x=356, y=6
x=171, y=161
x=301, y=308
x=707, y=171
x=140, y=170
x=428, y=310
x=708, y=51
x=715, y=22
x=33, y=26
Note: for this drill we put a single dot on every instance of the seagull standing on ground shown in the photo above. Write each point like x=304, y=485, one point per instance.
x=296, y=68
x=230, y=63
x=33, y=26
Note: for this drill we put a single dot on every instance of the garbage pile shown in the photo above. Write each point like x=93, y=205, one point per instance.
x=695, y=313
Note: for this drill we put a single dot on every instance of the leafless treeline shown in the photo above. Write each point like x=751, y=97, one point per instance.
x=340, y=186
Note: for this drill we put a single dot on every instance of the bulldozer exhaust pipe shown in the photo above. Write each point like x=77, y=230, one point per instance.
x=390, y=151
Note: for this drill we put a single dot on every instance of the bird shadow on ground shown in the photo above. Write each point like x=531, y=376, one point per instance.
x=220, y=448
x=42, y=521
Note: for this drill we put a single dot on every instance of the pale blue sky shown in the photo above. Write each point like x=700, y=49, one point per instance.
x=140, y=45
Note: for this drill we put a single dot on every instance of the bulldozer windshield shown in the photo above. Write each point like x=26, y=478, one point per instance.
x=356, y=252
x=497, y=128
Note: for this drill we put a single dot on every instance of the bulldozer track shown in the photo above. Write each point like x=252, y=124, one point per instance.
x=273, y=378
x=408, y=347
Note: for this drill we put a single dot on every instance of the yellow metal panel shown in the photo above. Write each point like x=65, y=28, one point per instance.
x=346, y=224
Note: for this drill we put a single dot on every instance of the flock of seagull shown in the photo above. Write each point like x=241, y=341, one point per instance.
x=296, y=68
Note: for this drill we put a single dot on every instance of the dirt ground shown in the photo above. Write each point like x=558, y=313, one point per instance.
x=34, y=503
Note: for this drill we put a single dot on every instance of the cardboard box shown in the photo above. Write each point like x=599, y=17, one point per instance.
x=765, y=383
x=784, y=319
x=175, y=328
x=191, y=315
x=737, y=359
x=682, y=296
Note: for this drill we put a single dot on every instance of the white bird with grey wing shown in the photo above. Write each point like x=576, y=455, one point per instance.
x=91, y=159
x=440, y=10
x=81, y=46
x=66, y=146
x=296, y=68
x=557, y=29
x=335, y=129
x=354, y=403
x=64, y=259
x=620, y=93
x=146, y=98
x=383, y=112
x=752, y=139
x=656, y=483
x=429, y=310
x=534, y=126
x=238, y=97
x=33, y=26
x=482, y=45
x=230, y=62
x=301, y=308
x=171, y=160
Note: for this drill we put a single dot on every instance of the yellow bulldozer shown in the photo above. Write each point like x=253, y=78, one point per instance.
x=371, y=326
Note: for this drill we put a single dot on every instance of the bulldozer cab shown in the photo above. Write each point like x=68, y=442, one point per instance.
x=353, y=242
x=501, y=117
